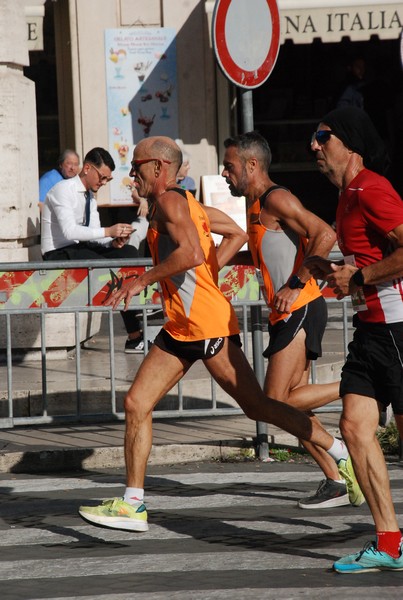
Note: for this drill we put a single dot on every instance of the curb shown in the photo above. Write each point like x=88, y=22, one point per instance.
x=61, y=460
x=85, y=459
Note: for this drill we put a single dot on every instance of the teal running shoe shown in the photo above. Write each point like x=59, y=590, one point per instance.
x=117, y=514
x=369, y=559
x=346, y=470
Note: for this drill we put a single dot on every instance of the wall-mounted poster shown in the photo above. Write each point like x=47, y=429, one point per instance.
x=141, y=95
x=215, y=192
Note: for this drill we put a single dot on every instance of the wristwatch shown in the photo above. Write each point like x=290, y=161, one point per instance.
x=358, y=278
x=295, y=283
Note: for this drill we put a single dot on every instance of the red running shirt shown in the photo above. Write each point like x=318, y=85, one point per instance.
x=367, y=211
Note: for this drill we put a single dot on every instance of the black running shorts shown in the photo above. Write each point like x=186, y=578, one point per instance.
x=192, y=351
x=374, y=365
x=311, y=318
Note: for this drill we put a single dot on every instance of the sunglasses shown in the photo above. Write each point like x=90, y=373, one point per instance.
x=102, y=178
x=321, y=137
x=136, y=163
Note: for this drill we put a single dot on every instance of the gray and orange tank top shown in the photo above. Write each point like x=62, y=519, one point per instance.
x=277, y=254
x=194, y=307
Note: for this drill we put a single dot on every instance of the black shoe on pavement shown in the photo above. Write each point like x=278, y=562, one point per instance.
x=329, y=494
x=135, y=346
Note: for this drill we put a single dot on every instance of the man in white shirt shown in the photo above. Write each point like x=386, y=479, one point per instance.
x=71, y=228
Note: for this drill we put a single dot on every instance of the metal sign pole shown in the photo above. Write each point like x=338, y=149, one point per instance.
x=247, y=110
x=262, y=441
x=248, y=66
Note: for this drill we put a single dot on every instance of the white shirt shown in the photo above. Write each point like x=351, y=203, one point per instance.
x=63, y=217
x=139, y=234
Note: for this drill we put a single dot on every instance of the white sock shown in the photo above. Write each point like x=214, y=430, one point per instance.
x=133, y=495
x=338, y=450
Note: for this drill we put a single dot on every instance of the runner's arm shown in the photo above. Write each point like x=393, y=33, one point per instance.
x=174, y=216
x=288, y=210
x=387, y=269
x=234, y=237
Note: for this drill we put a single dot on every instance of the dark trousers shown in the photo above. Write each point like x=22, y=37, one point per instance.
x=83, y=251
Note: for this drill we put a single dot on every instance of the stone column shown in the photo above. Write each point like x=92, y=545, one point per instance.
x=19, y=216
x=19, y=190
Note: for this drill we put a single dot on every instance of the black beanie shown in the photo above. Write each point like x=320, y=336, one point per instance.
x=355, y=129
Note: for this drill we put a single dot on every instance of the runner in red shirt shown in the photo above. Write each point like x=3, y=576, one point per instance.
x=369, y=223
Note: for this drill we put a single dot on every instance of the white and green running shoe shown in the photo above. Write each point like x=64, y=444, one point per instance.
x=369, y=559
x=346, y=470
x=117, y=514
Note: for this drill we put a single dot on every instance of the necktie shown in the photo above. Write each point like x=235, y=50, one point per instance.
x=87, y=208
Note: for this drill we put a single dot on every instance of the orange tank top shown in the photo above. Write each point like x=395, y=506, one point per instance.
x=277, y=254
x=194, y=307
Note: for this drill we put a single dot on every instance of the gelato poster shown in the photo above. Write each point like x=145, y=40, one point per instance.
x=141, y=95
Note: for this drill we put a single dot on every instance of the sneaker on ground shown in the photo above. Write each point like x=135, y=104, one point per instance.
x=369, y=559
x=345, y=467
x=328, y=495
x=117, y=514
x=135, y=346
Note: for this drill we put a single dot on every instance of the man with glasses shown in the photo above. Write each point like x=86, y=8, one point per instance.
x=281, y=233
x=200, y=323
x=71, y=229
x=369, y=223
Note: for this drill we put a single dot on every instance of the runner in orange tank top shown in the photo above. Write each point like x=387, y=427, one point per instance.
x=281, y=234
x=189, y=296
x=277, y=253
x=186, y=264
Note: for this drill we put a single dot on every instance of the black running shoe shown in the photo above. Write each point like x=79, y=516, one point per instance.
x=329, y=494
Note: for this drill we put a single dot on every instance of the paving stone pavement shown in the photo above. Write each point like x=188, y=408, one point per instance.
x=217, y=531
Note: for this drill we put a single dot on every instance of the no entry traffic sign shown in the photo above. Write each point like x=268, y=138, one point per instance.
x=246, y=39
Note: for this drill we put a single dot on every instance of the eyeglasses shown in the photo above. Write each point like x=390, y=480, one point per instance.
x=322, y=136
x=102, y=178
x=136, y=163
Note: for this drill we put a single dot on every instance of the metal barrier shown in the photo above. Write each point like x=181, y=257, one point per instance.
x=81, y=287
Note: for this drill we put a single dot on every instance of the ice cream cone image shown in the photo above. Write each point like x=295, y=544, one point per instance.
x=123, y=150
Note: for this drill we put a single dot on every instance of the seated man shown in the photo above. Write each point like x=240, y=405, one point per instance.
x=71, y=227
x=182, y=177
x=68, y=166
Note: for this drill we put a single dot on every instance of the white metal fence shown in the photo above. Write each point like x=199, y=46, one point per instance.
x=39, y=290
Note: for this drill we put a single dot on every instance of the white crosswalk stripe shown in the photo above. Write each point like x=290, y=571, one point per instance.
x=219, y=535
x=213, y=561
x=68, y=483
x=373, y=593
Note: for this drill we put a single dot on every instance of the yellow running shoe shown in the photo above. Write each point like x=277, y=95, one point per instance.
x=117, y=514
x=346, y=470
